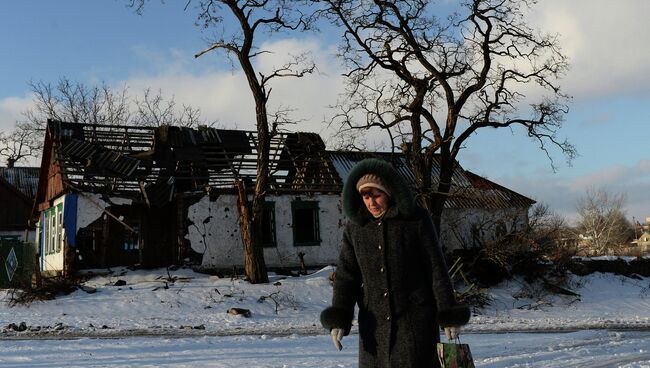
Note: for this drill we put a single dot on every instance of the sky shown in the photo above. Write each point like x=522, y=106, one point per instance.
x=179, y=318
x=104, y=41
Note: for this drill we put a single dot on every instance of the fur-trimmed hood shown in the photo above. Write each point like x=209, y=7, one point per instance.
x=401, y=196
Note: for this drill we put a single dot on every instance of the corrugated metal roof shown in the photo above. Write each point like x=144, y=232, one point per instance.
x=468, y=189
x=24, y=179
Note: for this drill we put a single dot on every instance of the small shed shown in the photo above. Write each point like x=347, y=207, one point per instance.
x=17, y=192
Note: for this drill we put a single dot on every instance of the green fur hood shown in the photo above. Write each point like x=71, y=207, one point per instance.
x=401, y=196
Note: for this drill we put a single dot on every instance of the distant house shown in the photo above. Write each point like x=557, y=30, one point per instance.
x=643, y=241
x=17, y=191
x=119, y=195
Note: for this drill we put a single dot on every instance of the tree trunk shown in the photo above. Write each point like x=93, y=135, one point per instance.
x=254, y=265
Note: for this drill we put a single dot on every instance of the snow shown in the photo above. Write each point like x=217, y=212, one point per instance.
x=180, y=319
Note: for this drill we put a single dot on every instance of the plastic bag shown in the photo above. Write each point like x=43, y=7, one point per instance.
x=454, y=355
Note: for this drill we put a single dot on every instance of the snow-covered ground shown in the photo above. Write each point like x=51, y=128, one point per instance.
x=590, y=348
x=609, y=324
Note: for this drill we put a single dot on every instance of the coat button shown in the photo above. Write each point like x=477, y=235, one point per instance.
x=388, y=318
x=381, y=270
x=379, y=247
x=386, y=294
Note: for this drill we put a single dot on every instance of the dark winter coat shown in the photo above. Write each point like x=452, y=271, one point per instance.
x=394, y=270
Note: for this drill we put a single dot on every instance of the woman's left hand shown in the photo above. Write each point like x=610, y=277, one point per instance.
x=452, y=332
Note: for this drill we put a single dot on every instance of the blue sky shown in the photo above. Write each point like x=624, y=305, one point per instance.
x=104, y=41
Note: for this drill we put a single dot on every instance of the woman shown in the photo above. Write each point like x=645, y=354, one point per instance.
x=392, y=266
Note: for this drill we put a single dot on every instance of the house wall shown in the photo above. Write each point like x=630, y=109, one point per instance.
x=214, y=232
x=643, y=242
x=466, y=228
x=213, y=229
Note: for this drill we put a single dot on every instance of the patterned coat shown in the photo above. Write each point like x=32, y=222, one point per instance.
x=394, y=270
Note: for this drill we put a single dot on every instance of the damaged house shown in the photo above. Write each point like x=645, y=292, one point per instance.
x=123, y=195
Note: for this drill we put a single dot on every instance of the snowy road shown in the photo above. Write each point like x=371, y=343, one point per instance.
x=593, y=348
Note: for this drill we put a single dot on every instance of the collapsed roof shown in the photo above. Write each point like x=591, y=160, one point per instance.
x=153, y=163
x=156, y=162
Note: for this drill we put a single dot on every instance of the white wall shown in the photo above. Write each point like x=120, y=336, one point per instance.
x=90, y=207
x=456, y=224
x=214, y=232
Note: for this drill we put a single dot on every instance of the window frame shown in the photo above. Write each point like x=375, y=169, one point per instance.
x=270, y=206
x=301, y=205
x=45, y=227
x=59, y=228
x=127, y=244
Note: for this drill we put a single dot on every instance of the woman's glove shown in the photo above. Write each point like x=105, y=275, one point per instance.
x=452, y=332
x=337, y=335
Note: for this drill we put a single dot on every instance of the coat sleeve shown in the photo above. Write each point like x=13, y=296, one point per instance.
x=347, y=289
x=450, y=312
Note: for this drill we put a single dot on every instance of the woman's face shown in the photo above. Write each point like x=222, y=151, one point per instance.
x=376, y=201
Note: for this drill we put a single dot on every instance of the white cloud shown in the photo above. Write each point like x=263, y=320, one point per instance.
x=219, y=96
x=561, y=193
x=605, y=42
x=224, y=96
x=11, y=109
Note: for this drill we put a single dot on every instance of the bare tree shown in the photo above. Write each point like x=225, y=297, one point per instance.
x=100, y=104
x=19, y=145
x=155, y=110
x=72, y=102
x=252, y=17
x=77, y=103
x=238, y=25
x=602, y=221
x=432, y=82
x=546, y=223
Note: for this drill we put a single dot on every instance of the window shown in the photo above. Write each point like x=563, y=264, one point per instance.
x=268, y=225
x=305, y=223
x=45, y=227
x=131, y=238
x=59, y=230
x=476, y=236
x=501, y=230
x=52, y=228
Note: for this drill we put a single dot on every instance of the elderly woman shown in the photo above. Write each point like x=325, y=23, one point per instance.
x=391, y=265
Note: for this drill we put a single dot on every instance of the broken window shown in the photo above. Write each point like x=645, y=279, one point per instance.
x=268, y=225
x=305, y=223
